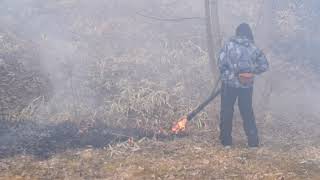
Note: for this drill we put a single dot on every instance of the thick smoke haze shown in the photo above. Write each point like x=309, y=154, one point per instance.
x=90, y=89
x=72, y=37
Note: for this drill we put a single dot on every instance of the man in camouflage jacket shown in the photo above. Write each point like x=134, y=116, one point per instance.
x=239, y=61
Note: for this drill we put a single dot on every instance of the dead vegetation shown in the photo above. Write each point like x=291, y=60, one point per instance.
x=21, y=79
x=116, y=94
x=195, y=157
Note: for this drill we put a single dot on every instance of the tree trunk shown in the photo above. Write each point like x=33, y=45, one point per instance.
x=213, y=34
x=266, y=23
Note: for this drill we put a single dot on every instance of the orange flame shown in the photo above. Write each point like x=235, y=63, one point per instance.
x=180, y=126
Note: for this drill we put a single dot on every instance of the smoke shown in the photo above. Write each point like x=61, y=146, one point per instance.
x=74, y=36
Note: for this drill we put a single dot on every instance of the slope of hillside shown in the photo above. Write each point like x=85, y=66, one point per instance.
x=117, y=80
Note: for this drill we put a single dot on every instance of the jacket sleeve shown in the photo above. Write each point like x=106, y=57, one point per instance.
x=261, y=63
x=223, y=64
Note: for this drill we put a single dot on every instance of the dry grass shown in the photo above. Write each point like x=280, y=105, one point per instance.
x=102, y=104
x=195, y=157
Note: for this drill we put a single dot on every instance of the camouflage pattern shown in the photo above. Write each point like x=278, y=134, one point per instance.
x=240, y=55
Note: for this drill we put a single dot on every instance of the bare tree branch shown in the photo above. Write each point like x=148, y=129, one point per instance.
x=170, y=19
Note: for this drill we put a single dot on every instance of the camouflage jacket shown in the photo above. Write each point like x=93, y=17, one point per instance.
x=240, y=55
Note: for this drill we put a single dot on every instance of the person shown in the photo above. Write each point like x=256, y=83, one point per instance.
x=239, y=61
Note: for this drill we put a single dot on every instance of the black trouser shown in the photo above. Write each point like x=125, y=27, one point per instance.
x=229, y=95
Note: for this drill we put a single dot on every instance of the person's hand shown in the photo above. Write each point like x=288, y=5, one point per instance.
x=246, y=78
x=180, y=126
